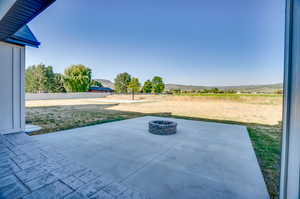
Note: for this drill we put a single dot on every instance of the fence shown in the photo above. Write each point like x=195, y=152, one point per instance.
x=48, y=96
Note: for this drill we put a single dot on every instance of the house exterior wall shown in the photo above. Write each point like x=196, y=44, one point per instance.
x=12, y=103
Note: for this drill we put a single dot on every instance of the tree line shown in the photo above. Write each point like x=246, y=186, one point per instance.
x=78, y=78
x=203, y=91
x=125, y=83
x=41, y=79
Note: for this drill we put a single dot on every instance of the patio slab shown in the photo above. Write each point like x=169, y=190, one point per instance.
x=203, y=160
x=32, y=170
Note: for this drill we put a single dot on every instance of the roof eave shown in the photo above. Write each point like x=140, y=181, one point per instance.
x=19, y=14
x=23, y=42
x=24, y=36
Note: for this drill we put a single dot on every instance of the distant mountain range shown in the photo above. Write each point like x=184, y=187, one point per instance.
x=106, y=83
x=267, y=88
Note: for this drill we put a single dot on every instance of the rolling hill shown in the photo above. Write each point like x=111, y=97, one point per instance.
x=106, y=83
x=267, y=88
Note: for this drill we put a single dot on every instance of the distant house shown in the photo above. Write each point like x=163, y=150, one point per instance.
x=97, y=89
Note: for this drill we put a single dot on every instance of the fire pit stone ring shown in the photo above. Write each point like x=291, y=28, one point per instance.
x=162, y=127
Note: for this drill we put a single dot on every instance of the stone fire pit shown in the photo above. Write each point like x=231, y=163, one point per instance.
x=162, y=127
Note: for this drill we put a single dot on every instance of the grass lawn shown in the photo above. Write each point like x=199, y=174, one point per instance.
x=265, y=138
x=266, y=143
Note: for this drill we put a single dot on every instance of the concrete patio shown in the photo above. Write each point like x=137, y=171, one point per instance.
x=122, y=160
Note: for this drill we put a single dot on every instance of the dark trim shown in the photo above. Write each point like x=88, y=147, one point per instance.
x=23, y=42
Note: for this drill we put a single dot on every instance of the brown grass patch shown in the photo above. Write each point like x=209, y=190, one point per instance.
x=262, y=110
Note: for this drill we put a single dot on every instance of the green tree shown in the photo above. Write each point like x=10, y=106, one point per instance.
x=158, y=85
x=134, y=86
x=206, y=91
x=39, y=79
x=121, y=82
x=77, y=78
x=58, y=84
x=147, y=88
x=96, y=83
x=215, y=90
x=176, y=91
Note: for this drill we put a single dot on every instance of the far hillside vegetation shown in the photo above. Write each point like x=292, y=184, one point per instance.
x=78, y=78
x=194, y=90
x=250, y=89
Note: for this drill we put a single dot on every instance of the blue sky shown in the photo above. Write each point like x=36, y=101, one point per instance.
x=199, y=42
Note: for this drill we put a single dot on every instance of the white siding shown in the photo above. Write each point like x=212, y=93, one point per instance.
x=12, y=64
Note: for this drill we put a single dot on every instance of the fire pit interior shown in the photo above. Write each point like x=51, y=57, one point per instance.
x=162, y=127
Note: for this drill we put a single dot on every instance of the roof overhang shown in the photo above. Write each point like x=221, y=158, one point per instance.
x=15, y=14
x=24, y=37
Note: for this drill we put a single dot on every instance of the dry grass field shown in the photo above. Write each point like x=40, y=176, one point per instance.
x=249, y=109
x=261, y=114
